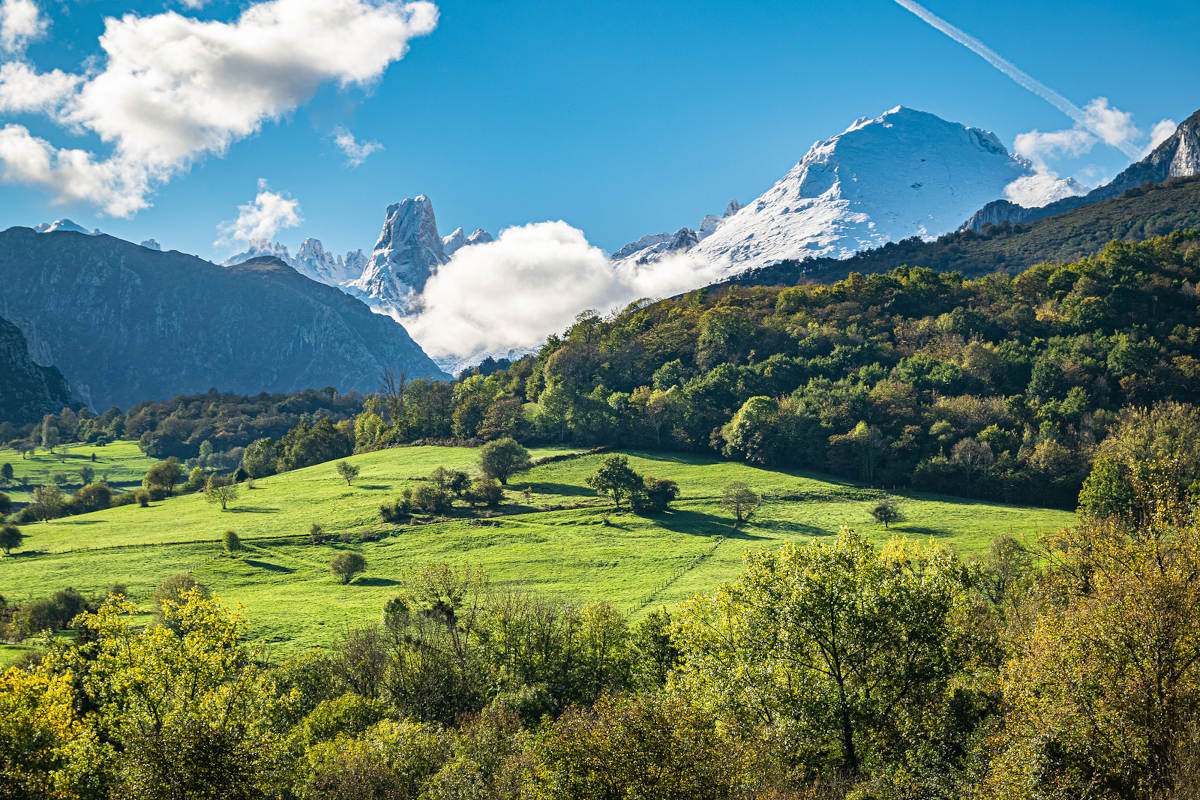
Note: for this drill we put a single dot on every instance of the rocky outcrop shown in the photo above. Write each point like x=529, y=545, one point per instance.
x=30, y=390
x=409, y=250
x=1177, y=157
x=124, y=323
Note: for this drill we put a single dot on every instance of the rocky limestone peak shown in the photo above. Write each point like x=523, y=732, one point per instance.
x=733, y=207
x=454, y=241
x=409, y=250
x=257, y=250
x=480, y=236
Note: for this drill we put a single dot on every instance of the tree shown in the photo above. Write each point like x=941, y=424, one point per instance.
x=6, y=505
x=347, y=470
x=50, y=437
x=615, y=478
x=232, y=542
x=6, y=473
x=220, y=490
x=346, y=565
x=259, y=458
x=832, y=641
x=886, y=512
x=92, y=497
x=741, y=500
x=486, y=491
x=163, y=476
x=10, y=538
x=655, y=496
x=47, y=503
x=502, y=459
x=86, y=474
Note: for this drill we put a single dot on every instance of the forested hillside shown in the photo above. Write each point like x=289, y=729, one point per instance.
x=1155, y=209
x=997, y=387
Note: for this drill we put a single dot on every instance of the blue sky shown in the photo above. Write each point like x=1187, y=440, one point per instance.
x=621, y=118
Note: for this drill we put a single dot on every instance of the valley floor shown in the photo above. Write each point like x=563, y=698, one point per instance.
x=555, y=542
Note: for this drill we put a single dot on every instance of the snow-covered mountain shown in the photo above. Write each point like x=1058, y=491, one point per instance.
x=458, y=240
x=408, y=251
x=314, y=261
x=258, y=250
x=905, y=173
x=152, y=244
x=654, y=246
x=65, y=225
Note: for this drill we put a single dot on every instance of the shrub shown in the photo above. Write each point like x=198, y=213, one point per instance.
x=655, y=496
x=431, y=499
x=195, y=481
x=502, y=459
x=232, y=542
x=486, y=491
x=5, y=505
x=50, y=614
x=316, y=534
x=346, y=565
x=93, y=497
x=143, y=498
x=47, y=503
x=176, y=587
x=400, y=511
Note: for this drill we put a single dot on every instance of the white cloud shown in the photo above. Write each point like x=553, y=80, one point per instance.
x=1041, y=147
x=532, y=281
x=356, y=151
x=1041, y=188
x=258, y=221
x=1161, y=131
x=20, y=23
x=172, y=88
x=1111, y=124
x=23, y=90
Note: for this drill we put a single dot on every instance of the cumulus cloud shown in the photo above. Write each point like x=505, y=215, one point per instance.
x=24, y=90
x=20, y=23
x=173, y=88
x=1041, y=147
x=356, y=151
x=512, y=293
x=259, y=220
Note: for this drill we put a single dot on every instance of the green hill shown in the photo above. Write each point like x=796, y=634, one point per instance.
x=557, y=542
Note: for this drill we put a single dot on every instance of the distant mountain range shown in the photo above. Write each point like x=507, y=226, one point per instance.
x=125, y=323
x=30, y=391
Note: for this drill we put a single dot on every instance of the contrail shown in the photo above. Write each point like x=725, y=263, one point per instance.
x=1011, y=70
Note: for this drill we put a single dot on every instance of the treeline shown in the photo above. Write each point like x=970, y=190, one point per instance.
x=835, y=670
x=999, y=387
x=210, y=430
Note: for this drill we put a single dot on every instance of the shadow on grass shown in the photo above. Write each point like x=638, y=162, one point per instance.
x=920, y=530
x=252, y=510
x=267, y=565
x=696, y=523
x=372, y=487
x=564, y=489
x=69, y=521
x=376, y=582
x=26, y=554
x=787, y=526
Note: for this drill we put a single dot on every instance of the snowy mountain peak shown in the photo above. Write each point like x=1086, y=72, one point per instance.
x=259, y=250
x=904, y=173
x=152, y=244
x=454, y=241
x=480, y=236
x=314, y=261
x=65, y=225
x=409, y=250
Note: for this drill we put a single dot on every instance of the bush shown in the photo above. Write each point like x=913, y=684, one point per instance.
x=232, y=542
x=195, y=481
x=93, y=497
x=176, y=587
x=655, y=497
x=431, y=499
x=143, y=498
x=50, y=614
x=486, y=491
x=502, y=459
x=400, y=511
x=452, y=480
x=346, y=565
x=316, y=534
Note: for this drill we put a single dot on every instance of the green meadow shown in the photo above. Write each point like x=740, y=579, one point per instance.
x=121, y=464
x=559, y=538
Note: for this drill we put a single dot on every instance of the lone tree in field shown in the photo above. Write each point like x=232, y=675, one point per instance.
x=220, y=490
x=6, y=505
x=502, y=459
x=346, y=565
x=615, y=478
x=887, y=512
x=10, y=538
x=6, y=473
x=232, y=542
x=741, y=500
x=347, y=470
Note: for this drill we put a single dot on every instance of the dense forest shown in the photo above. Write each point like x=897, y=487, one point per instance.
x=999, y=387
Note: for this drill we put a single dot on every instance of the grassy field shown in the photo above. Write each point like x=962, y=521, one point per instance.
x=120, y=463
x=556, y=541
